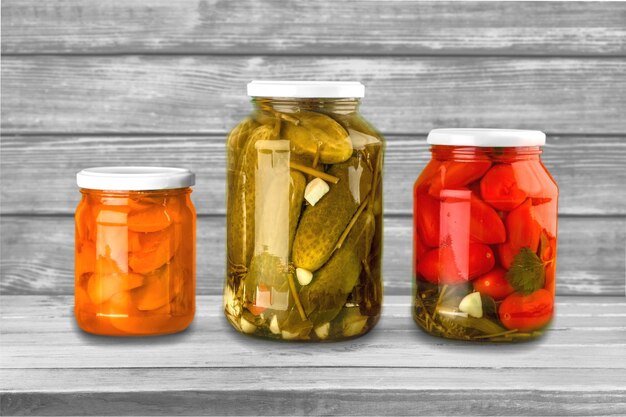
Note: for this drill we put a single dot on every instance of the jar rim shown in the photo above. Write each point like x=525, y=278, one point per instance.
x=306, y=89
x=486, y=137
x=135, y=178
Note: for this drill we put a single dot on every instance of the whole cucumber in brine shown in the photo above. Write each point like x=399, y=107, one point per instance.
x=321, y=225
x=326, y=295
x=240, y=221
x=316, y=130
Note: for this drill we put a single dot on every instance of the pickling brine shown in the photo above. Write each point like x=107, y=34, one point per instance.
x=135, y=252
x=304, y=217
x=485, y=233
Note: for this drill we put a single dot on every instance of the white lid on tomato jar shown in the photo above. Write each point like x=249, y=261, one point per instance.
x=306, y=89
x=135, y=178
x=486, y=137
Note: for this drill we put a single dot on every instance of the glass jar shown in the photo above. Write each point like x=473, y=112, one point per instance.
x=135, y=251
x=304, y=226
x=485, y=229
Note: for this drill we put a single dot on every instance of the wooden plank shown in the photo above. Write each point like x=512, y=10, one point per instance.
x=589, y=170
x=38, y=255
x=316, y=391
x=40, y=332
x=49, y=367
x=323, y=27
x=206, y=94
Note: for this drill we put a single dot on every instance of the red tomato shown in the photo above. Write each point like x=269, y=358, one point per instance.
x=506, y=255
x=456, y=174
x=423, y=181
x=443, y=266
x=527, y=312
x=419, y=248
x=494, y=284
x=485, y=224
x=522, y=228
x=427, y=219
x=499, y=188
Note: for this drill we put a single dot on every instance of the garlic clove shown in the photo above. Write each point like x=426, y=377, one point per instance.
x=304, y=276
x=288, y=335
x=274, y=327
x=315, y=190
x=247, y=327
x=472, y=305
x=323, y=330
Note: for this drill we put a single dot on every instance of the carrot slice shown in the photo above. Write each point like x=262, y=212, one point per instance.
x=155, y=292
x=155, y=249
x=153, y=219
x=102, y=287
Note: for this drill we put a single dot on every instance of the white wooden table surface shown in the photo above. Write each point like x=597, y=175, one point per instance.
x=50, y=367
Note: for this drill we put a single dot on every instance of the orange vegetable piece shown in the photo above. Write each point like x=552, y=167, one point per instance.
x=102, y=287
x=155, y=292
x=152, y=219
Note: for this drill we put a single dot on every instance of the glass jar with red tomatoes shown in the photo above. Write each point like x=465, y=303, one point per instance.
x=485, y=229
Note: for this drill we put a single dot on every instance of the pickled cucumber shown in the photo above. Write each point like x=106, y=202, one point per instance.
x=324, y=298
x=321, y=225
x=240, y=236
x=237, y=139
x=315, y=130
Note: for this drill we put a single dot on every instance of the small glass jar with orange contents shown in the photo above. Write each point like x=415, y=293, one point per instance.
x=135, y=251
x=485, y=229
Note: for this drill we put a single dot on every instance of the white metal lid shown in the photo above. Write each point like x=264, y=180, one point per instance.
x=135, y=178
x=306, y=89
x=486, y=137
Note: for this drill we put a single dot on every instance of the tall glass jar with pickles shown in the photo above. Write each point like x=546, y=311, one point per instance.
x=304, y=216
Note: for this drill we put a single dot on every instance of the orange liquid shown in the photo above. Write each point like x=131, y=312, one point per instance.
x=135, y=262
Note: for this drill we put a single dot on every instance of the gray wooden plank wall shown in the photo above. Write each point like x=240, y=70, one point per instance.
x=89, y=83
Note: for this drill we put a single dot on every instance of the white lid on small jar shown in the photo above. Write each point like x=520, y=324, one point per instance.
x=135, y=178
x=486, y=137
x=306, y=89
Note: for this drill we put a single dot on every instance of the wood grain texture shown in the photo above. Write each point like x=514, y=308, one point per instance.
x=38, y=255
x=322, y=27
x=590, y=171
x=206, y=94
x=48, y=366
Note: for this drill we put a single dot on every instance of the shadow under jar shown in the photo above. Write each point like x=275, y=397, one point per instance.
x=485, y=232
x=135, y=251
x=304, y=226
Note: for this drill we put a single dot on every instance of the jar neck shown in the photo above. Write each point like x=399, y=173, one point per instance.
x=475, y=153
x=143, y=193
x=294, y=105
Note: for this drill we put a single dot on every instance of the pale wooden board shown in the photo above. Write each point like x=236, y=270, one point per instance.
x=48, y=366
x=591, y=171
x=206, y=94
x=38, y=255
x=318, y=391
x=321, y=27
x=40, y=332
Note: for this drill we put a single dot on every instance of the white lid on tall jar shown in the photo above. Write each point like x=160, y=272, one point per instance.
x=135, y=178
x=306, y=89
x=486, y=137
